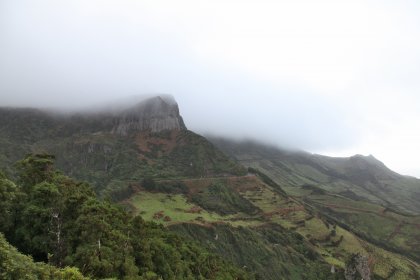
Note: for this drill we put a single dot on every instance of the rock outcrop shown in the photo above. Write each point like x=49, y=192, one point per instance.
x=357, y=268
x=156, y=114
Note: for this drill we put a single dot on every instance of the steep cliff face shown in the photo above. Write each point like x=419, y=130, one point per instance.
x=110, y=146
x=155, y=115
x=92, y=138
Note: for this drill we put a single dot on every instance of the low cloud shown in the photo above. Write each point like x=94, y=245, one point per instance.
x=328, y=77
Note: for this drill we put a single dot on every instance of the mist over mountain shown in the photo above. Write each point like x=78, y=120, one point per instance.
x=276, y=211
x=220, y=140
x=362, y=174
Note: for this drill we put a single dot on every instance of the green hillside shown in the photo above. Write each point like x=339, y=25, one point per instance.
x=187, y=210
x=14, y=265
x=87, y=147
x=359, y=193
x=272, y=234
x=59, y=221
x=358, y=177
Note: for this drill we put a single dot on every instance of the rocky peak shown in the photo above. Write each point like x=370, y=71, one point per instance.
x=155, y=114
x=371, y=165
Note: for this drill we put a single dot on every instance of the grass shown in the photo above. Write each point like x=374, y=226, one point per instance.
x=174, y=206
x=334, y=249
x=386, y=263
x=375, y=222
x=317, y=229
x=178, y=209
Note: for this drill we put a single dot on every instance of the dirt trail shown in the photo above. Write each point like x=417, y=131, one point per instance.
x=380, y=213
x=396, y=231
x=203, y=224
x=205, y=178
x=284, y=211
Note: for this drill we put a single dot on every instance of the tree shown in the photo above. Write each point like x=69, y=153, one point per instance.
x=148, y=183
x=10, y=196
x=40, y=222
x=34, y=169
x=14, y=265
x=62, y=222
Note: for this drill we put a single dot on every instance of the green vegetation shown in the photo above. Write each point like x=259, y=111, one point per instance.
x=166, y=187
x=87, y=149
x=358, y=193
x=61, y=222
x=293, y=215
x=14, y=265
x=357, y=177
x=286, y=222
x=168, y=209
x=223, y=200
x=269, y=251
x=194, y=156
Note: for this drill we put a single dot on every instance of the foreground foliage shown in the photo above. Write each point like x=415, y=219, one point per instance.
x=61, y=222
x=14, y=265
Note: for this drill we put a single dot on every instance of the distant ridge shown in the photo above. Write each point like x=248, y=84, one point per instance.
x=355, y=177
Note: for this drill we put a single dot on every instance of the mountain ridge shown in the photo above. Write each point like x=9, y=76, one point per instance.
x=364, y=172
x=120, y=145
x=279, y=213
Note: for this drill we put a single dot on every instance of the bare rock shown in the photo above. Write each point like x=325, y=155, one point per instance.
x=156, y=114
x=357, y=268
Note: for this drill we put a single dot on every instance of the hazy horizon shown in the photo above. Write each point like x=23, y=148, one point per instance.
x=334, y=78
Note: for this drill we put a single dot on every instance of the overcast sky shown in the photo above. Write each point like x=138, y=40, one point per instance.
x=331, y=77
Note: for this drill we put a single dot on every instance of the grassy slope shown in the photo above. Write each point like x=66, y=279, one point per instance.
x=279, y=215
x=106, y=160
x=112, y=162
x=86, y=149
x=346, y=190
x=355, y=177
